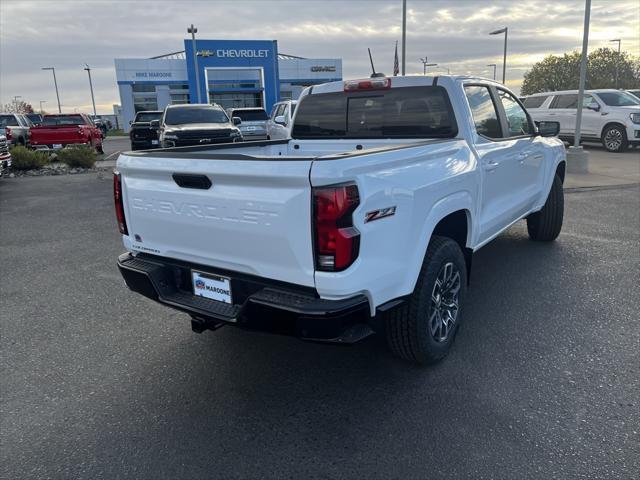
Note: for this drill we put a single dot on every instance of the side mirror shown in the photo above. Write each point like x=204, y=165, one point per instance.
x=130, y=122
x=155, y=123
x=548, y=129
x=236, y=120
x=594, y=106
x=280, y=120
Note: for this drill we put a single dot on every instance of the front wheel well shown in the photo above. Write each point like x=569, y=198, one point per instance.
x=560, y=171
x=456, y=227
x=613, y=124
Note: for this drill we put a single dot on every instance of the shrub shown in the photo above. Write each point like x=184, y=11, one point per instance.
x=81, y=156
x=23, y=158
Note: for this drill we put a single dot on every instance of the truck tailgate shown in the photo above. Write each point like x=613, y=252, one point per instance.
x=255, y=218
x=57, y=134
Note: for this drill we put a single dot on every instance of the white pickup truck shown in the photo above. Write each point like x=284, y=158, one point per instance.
x=364, y=221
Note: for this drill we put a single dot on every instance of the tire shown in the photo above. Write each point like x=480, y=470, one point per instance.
x=545, y=225
x=416, y=329
x=99, y=149
x=614, y=138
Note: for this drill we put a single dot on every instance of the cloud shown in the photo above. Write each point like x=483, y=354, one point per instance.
x=66, y=34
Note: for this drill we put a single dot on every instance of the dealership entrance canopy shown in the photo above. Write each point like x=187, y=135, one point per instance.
x=231, y=73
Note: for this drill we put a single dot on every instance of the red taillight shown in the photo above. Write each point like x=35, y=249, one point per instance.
x=7, y=132
x=337, y=241
x=117, y=197
x=379, y=83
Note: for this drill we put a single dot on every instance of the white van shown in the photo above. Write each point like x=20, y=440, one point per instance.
x=279, y=123
x=608, y=116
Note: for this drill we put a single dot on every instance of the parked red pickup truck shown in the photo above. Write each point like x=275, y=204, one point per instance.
x=59, y=130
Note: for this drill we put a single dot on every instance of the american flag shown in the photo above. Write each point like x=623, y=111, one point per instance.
x=396, y=68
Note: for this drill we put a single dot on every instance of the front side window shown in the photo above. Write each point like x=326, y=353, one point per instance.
x=618, y=99
x=517, y=118
x=483, y=111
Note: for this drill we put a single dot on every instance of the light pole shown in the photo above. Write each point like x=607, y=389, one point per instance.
x=93, y=101
x=55, y=82
x=583, y=71
x=504, y=30
x=577, y=158
x=617, y=58
x=42, y=109
x=193, y=30
x=425, y=64
x=494, y=69
x=15, y=101
x=404, y=34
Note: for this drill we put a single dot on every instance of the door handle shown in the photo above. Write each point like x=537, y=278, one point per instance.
x=491, y=165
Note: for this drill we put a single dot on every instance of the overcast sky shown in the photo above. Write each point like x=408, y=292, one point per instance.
x=66, y=34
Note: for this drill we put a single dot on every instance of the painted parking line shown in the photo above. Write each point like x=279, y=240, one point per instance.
x=111, y=155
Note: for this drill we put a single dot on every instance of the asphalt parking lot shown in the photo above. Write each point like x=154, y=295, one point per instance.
x=97, y=382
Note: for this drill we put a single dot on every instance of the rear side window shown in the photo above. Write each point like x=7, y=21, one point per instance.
x=483, y=110
x=565, y=101
x=534, y=102
x=408, y=112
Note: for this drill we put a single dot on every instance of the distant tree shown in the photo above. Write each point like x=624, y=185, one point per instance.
x=563, y=72
x=18, y=107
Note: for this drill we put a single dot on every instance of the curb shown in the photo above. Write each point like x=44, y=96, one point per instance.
x=599, y=187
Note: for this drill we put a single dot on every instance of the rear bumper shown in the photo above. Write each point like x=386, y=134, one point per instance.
x=259, y=304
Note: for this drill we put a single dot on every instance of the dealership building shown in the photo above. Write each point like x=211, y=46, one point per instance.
x=231, y=73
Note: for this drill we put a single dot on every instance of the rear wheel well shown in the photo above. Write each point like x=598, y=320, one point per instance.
x=456, y=227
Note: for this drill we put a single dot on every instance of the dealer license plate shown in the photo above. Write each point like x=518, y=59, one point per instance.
x=211, y=286
x=154, y=142
x=57, y=146
x=251, y=129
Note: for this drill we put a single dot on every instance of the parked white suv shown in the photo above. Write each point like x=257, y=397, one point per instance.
x=279, y=124
x=608, y=116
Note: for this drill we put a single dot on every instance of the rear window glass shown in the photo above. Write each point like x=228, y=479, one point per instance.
x=148, y=116
x=63, y=120
x=182, y=116
x=534, y=102
x=408, y=112
x=8, y=120
x=251, y=115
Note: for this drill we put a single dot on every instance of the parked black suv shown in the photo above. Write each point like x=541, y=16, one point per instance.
x=142, y=135
x=197, y=124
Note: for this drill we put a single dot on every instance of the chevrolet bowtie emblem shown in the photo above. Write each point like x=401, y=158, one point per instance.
x=205, y=53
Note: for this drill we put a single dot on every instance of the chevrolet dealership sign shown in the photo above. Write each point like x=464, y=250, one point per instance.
x=233, y=53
